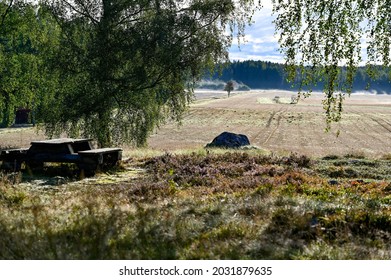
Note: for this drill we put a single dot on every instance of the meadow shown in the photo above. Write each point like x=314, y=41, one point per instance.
x=302, y=194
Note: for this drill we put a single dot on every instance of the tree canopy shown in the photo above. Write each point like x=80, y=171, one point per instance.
x=229, y=86
x=126, y=66
x=25, y=35
x=317, y=36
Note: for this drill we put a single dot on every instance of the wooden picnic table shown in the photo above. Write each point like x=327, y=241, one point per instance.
x=62, y=150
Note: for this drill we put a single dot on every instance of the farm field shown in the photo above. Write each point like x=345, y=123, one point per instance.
x=303, y=194
x=283, y=128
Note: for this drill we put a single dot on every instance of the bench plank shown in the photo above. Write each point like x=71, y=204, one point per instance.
x=100, y=151
x=59, y=141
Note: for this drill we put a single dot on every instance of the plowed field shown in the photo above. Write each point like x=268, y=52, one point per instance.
x=283, y=127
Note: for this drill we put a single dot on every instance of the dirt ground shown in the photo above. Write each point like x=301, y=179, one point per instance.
x=280, y=128
x=19, y=137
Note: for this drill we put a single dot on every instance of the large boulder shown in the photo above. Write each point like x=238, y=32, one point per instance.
x=229, y=140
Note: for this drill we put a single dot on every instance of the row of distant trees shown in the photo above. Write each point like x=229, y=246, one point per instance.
x=268, y=75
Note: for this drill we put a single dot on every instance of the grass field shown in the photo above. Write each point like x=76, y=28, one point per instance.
x=302, y=195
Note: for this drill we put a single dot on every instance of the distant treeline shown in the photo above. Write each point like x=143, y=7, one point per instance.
x=268, y=75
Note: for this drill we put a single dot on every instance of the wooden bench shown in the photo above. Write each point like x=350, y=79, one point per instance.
x=101, y=156
x=97, y=158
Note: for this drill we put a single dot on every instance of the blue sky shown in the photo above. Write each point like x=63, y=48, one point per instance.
x=260, y=41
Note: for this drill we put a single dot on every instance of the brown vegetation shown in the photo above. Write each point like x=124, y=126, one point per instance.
x=231, y=205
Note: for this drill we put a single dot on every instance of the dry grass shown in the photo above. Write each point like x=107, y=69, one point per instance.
x=201, y=205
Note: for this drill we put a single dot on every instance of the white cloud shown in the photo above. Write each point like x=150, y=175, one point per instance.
x=260, y=41
x=267, y=4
